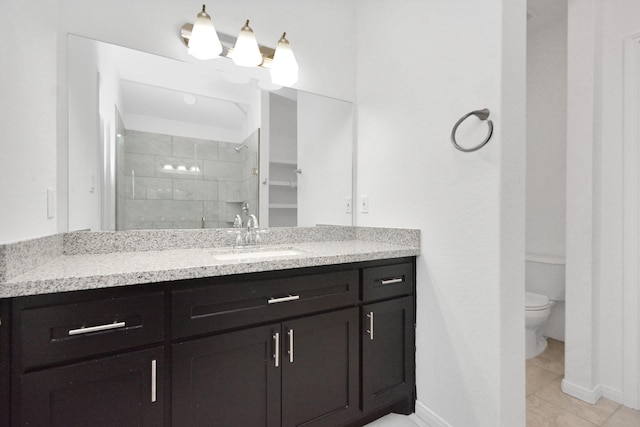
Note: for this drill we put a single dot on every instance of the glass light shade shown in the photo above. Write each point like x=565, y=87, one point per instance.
x=204, y=42
x=246, y=52
x=284, y=68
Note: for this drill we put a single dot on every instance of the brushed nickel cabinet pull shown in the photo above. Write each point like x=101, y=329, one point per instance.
x=276, y=353
x=392, y=281
x=290, y=333
x=283, y=299
x=108, y=326
x=153, y=381
x=370, y=330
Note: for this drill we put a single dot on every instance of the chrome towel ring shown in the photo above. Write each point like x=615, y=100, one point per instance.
x=482, y=115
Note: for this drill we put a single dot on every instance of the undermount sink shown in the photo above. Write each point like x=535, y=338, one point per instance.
x=241, y=254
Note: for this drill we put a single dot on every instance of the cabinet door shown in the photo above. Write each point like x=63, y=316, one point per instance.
x=227, y=380
x=119, y=391
x=388, y=346
x=320, y=369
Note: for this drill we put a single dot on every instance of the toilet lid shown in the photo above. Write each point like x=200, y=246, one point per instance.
x=535, y=301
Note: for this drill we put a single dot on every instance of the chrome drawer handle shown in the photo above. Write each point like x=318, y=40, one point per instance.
x=283, y=299
x=154, y=381
x=108, y=326
x=370, y=330
x=392, y=281
x=276, y=345
x=290, y=333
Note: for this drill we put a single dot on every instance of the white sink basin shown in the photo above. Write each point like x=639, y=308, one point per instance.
x=256, y=254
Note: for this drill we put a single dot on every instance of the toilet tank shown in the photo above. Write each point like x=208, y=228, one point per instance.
x=545, y=275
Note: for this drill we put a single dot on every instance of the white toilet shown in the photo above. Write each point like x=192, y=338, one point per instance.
x=544, y=285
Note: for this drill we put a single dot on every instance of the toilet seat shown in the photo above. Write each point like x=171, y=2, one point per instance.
x=535, y=302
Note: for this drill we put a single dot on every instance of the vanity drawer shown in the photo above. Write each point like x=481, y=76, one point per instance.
x=73, y=331
x=387, y=281
x=226, y=305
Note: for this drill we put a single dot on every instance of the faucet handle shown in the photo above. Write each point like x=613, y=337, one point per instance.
x=237, y=222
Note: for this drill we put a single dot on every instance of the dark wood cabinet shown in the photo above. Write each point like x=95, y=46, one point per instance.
x=320, y=369
x=388, y=360
x=300, y=372
x=227, y=380
x=321, y=346
x=119, y=391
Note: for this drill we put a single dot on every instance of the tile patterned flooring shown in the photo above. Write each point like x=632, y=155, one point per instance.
x=547, y=405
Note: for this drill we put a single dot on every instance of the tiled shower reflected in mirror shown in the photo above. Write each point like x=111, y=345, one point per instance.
x=166, y=181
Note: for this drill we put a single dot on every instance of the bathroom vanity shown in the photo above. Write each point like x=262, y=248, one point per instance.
x=307, y=339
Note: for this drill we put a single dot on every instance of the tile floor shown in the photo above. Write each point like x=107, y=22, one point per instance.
x=547, y=405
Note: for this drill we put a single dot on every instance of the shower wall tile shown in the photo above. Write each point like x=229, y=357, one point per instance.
x=184, y=189
x=141, y=164
x=147, y=143
x=138, y=225
x=221, y=171
x=183, y=225
x=149, y=188
x=195, y=148
x=230, y=192
x=164, y=210
x=214, y=211
x=180, y=199
x=227, y=152
x=250, y=188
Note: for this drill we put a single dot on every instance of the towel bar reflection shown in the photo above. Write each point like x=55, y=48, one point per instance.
x=482, y=115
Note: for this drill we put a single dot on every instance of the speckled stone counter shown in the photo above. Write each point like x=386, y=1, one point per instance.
x=102, y=260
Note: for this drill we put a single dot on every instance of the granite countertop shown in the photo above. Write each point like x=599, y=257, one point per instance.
x=102, y=270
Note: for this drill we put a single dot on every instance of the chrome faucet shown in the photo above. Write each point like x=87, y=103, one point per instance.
x=252, y=236
x=248, y=233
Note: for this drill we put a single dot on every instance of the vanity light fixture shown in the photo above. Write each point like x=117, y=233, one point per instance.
x=244, y=52
x=284, y=68
x=204, y=42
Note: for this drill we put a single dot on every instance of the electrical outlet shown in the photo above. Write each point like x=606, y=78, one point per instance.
x=364, y=204
x=348, y=206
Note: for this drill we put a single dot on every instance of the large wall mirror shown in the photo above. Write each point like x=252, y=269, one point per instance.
x=159, y=143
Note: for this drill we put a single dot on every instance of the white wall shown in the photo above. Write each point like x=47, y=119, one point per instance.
x=547, y=138
x=27, y=117
x=595, y=346
x=421, y=66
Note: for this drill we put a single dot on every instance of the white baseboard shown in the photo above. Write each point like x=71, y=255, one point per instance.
x=426, y=415
x=579, y=392
x=613, y=394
